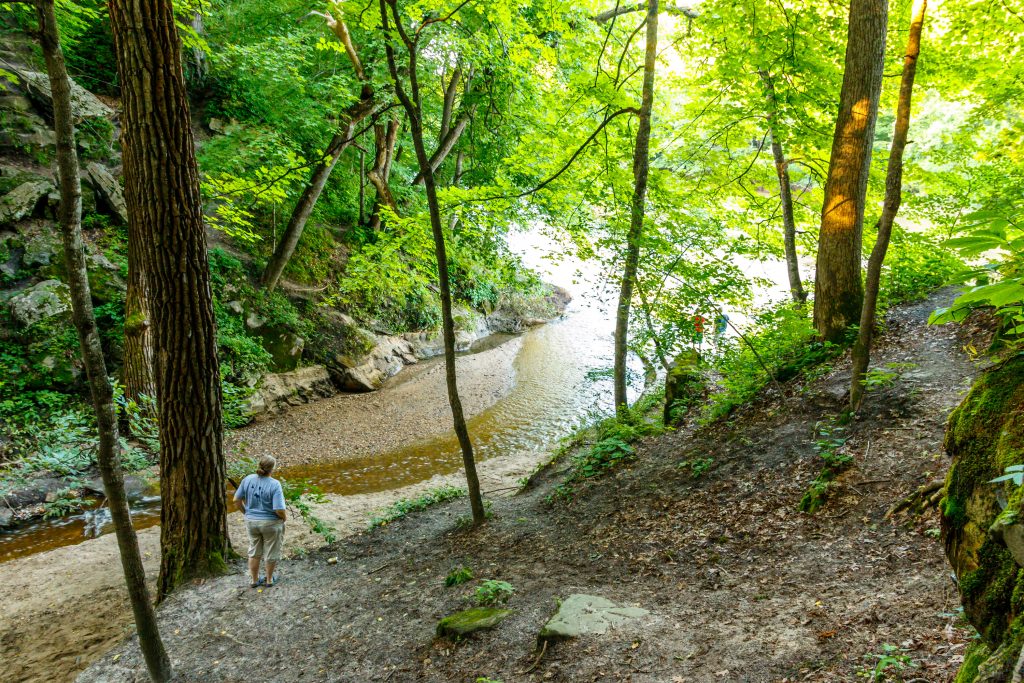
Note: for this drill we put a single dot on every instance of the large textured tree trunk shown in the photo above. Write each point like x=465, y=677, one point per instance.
x=300, y=215
x=838, y=293
x=796, y=286
x=891, y=205
x=414, y=110
x=162, y=193
x=137, y=373
x=641, y=163
x=108, y=453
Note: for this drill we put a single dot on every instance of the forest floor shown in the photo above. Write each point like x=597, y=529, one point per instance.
x=739, y=585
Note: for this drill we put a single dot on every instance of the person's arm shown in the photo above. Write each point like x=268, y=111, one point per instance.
x=240, y=496
x=279, y=506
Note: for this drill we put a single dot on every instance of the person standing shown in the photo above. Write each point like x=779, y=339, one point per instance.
x=261, y=498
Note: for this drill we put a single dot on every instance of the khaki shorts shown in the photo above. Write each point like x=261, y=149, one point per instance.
x=266, y=538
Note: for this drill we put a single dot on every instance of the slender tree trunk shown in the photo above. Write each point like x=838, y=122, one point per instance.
x=300, y=215
x=385, y=138
x=641, y=164
x=108, y=453
x=137, y=373
x=796, y=287
x=460, y=159
x=162, y=193
x=838, y=293
x=414, y=110
x=891, y=205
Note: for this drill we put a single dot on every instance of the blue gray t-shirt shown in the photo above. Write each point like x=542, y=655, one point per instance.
x=262, y=495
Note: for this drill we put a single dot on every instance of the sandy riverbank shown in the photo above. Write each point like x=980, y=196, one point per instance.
x=412, y=407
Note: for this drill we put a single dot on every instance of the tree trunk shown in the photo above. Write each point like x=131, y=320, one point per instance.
x=641, y=163
x=838, y=293
x=384, y=142
x=414, y=110
x=137, y=373
x=297, y=223
x=891, y=205
x=107, y=455
x=796, y=287
x=162, y=193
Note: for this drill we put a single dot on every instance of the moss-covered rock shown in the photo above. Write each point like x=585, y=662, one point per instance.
x=984, y=436
x=463, y=623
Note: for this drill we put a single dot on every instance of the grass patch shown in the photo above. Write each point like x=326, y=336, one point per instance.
x=405, y=506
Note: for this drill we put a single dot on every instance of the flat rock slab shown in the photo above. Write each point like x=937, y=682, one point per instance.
x=463, y=623
x=581, y=614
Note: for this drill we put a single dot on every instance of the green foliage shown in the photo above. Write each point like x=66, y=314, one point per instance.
x=698, y=466
x=403, y=507
x=999, y=283
x=65, y=503
x=458, y=576
x=888, y=664
x=915, y=265
x=786, y=345
x=879, y=378
x=829, y=438
x=491, y=593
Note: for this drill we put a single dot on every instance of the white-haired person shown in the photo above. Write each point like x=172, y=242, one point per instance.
x=261, y=498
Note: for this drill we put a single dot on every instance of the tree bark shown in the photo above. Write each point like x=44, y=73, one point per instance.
x=838, y=293
x=300, y=215
x=108, y=452
x=641, y=163
x=384, y=143
x=162, y=193
x=890, y=206
x=796, y=287
x=414, y=110
x=137, y=373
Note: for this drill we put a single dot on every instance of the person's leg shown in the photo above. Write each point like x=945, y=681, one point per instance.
x=255, y=551
x=274, y=546
x=254, y=569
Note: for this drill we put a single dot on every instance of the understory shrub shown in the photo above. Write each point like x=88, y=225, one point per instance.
x=780, y=344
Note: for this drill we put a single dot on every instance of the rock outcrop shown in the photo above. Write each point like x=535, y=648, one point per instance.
x=21, y=202
x=983, y=521
x=84, y=105
x=43, y=301
x=108, y=190
x=276, y=392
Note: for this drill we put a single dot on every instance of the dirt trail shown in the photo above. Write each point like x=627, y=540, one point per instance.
x=740, y=586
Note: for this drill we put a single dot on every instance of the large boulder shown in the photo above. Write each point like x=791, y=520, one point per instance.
x=278, y=391
x=581, y=615
x=108, y=190
x=357, y=359
x=983, y=522
x=22, y=201
x=385, y=359
x=44, y=301
x=84, y=105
